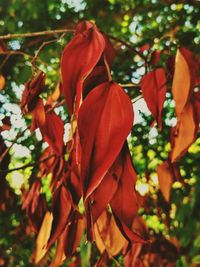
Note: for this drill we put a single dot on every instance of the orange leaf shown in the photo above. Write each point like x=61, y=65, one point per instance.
x=2, y=81
x=165, y=178
x=181, y=82
x=43, y=237
x=54, y=96
x=184, y=133
x=60, y=255
x=107, y=234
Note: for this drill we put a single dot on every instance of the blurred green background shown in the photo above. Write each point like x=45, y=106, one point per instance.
x=156, y=25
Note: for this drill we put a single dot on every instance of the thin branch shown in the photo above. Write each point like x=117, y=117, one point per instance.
x=13, y=142
x=129, y=46
x=17, y=52
x=43, y=45
x=32, y=34
x=27, y=165
x=129, y=85
x=136, y=98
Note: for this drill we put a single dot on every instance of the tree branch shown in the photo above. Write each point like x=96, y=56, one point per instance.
x=129, y=46
x=32, y=34
x=27, y=165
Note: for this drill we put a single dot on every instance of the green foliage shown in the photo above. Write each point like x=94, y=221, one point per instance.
x=159, y=24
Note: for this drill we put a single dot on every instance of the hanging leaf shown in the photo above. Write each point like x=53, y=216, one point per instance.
x=42, y=238
x=38, y=115
x=107, y=235
x=2, y=82
x=184, y=133
x=53, y=131
x=87, y=47
x=73, y=233
x=59, y=257
x=61, y=209
x=31, y=92
x=105, y=120
x=153, y=86
x=124, y=203
x=181, y=83
x=32, y=197
x=165, y=178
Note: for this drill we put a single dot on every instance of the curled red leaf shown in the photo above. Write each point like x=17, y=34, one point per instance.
x=154, y=88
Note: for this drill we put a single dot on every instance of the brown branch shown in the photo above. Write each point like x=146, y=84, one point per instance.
x=10, y=53
x=129, y=46
x=13, y=142
x=43, y=45
x=136, y=98
x=27, y=165
x=32, y=34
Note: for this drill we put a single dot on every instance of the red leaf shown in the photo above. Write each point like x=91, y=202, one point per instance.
x=32, y=197
x=38, y=115
x=96, y=77
x=104, y=122
x=73, y=233
x=31, y=92
x=79, y=58
x=102, y=196
x=153, y=86
x=61, y=208
x=53, y=131
x=124, y=203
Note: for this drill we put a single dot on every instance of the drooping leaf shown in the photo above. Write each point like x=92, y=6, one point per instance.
x=73, y=233
x=32, y=197
x=165, y=178
x=32, y=91
x=59, y=257
x=184, y=133
x=2, y=82
x=53, y=131
x=38, y=115
x=42, y=238
x=79, y=58
x=124, y=203
x=154, y=88
x=61, y=209
x=181, y=82
x=105, y=120
x=107, y=234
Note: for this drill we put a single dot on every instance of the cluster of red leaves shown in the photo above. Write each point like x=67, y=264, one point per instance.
x=99, y=168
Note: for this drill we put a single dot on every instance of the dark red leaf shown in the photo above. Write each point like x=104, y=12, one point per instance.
x=31, y=92
x=53, y=131
x=105, y=120
x=124, y=203
x=61, y=208
x=79, y=58
x=154, y=88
